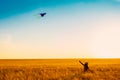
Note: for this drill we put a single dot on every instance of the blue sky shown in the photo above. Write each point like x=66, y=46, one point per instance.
x=13, y=7
x=71, y=29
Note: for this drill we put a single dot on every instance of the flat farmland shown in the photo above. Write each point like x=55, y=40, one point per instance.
x=59, y=69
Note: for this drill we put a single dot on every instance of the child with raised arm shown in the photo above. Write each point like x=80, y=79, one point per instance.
x=85, y=66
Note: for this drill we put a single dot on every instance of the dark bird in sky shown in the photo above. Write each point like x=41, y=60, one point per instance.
x=42, y=14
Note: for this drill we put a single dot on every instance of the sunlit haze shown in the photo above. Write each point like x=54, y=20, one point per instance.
x=70, y=29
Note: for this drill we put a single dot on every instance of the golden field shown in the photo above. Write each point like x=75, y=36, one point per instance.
x=59, y=69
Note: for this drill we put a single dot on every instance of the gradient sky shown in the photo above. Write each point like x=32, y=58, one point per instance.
x=70, y=29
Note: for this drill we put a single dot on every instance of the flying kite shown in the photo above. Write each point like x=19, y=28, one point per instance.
x=42, y=14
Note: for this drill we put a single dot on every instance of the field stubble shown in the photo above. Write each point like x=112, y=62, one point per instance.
x=58, y=71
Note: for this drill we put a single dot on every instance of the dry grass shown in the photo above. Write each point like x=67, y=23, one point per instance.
x=59, y=70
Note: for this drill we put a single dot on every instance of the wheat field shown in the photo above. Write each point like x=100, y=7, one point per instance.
x=59, y=69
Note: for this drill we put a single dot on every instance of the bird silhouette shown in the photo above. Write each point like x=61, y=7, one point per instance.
x=42, y=14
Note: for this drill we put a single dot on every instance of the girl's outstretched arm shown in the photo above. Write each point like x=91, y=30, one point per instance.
x=81, y=62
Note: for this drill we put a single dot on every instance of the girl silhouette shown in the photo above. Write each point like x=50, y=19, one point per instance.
x=85, y=65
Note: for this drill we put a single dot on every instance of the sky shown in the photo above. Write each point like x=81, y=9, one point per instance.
x=70, y=29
